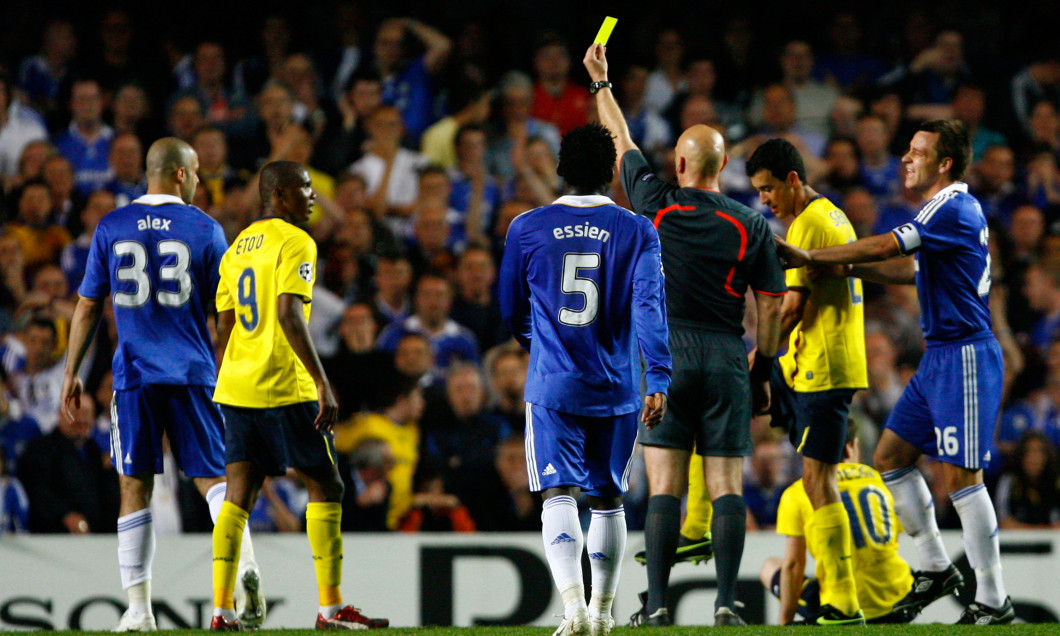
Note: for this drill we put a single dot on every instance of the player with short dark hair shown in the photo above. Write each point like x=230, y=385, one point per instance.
x=814, y=382
x=276, y=398
x=581, y=286
x=714, y=249
x=949, y=409
x=157, y=259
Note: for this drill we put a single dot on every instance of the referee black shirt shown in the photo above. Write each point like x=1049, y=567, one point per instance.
x=713, y=248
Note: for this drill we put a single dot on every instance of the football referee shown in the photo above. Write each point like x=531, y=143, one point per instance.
x=713, y=250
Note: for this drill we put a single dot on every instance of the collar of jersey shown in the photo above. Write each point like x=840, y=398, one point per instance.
x=586, y=201
x=956, y=186
x=158, y=199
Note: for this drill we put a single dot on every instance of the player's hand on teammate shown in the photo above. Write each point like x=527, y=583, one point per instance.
x=791, y=256
x=654, y=409
x=595, y=62
x=70, y=398
x=329, y=408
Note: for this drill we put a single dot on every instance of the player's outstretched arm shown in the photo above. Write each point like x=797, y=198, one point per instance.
x=767, y=343
x=896, y=271
x=867, y=250
x=292, y=321
x=607, y=107
x=792, y=573
x=82, y=326
x=649, y=317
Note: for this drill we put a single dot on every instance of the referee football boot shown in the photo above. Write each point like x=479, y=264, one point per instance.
x=250, y=601
x=978, y=614
x=726, y=617
x=136, y=622
x=350, y=617
x=929, y=587
x=641, y=618
x=829, y=615
x=222, y=624
x=694, y=551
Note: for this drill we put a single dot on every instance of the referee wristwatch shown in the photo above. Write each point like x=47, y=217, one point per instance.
x=595, y=86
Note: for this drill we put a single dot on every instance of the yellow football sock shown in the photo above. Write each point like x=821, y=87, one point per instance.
x=700, y=510
x=323, y=524
x=227, y=537
x=833, y=547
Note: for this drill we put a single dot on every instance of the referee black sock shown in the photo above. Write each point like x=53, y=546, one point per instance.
x=661, y=528
x=729, y=529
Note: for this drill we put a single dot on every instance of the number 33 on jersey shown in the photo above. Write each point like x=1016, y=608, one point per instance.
x=260, y=370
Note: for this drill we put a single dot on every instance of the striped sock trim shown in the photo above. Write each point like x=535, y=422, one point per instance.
x=134, y=520
x=562, y=500
x=966, y=492
x=617, y=512
x=896, y=474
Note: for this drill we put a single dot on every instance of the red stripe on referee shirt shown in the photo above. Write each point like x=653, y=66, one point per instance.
x=670, y=208
x=759, y=291
x=743, y=250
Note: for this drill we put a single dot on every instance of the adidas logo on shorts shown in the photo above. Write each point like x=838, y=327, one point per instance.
x=549, y=470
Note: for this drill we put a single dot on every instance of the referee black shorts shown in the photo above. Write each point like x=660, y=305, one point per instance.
x=274, y=439
x=709, y=404
x=816, y=422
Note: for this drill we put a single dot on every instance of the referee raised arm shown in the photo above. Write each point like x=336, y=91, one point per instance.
x=713, y=250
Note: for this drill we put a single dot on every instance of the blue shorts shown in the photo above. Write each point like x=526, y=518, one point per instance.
x=187, y=415
x=592, y=453
x=949, y=408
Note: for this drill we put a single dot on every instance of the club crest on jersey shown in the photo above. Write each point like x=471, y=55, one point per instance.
x=305, y=271
x=153, y=223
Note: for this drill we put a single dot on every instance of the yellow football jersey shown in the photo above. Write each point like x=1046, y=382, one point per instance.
x=882, y=577
x=259, y=368
x=404, y=441
x=827, y=347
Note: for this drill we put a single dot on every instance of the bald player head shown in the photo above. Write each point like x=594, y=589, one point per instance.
x=286, y=191
x=700, y=156
x=172, y=168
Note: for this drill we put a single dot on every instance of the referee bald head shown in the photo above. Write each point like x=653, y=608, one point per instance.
x=699, y=155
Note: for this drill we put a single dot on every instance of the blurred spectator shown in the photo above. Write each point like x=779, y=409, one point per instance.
x=432, y=303
x=1041, y=286
x=272, y=132
x=557, y=100
x=223, y=106
x=861, y=211
x=19, y=125
x=813, y=98
x=475, y=193
x=357, y=369
x=251, y=73
x=434, y=509
x=312, y=108
x=430, y=246
x=184, y=117
x=475, y=306
x=765, y=484
x=35, y=387
x=1043, y=177
x=1026, y=227
x=390, y=171
x=366, y=499
x=43, y=77
x=407, y=83
x=1039, y=413
x=346, y=57
x=281, y=507
x=439, y=141
x=393, y=282
x=413, y=359
x=40, y=239
x=885, y=385
x=535, y=164
x=86, y=143
x=648, y=129
x=506, y=366
x=12, y=280
x=1044, y=126
x=667, y=78
x=847, y=64
x=515, y=126
x=1038, y=81
x=842, y=169
x=505, y=503
x=131, y=111
x=216, y=174
x=358, y=103
x=14, y=503
x=993, y=183
x=32, y=161
x=969, y=106
x=395, y=421
x=67, y=202
x=116, y=62
x=879, y=168
x=932, y=77
x=700, y=78
x=1028, y=494
x=127, y=167
x=779, y=120
x=71, y=484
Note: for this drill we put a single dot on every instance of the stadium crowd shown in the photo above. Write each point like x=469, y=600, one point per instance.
x=424, y=139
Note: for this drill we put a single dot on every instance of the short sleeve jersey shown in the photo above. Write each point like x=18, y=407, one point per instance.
x=713, y=248
x=157, y=259
x=883, y=578
x=260, y=369
x=951, y=242
x=827, y=347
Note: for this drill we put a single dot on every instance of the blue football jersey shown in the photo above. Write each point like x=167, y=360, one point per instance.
x=158, y=258
x=951, y=242
x=581, y=288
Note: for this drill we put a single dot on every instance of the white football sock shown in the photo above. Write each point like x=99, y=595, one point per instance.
x=606, y=544
x=562, y=536
x=215, y=498
x=916, y=510
x=136, y=554
x=980, y=537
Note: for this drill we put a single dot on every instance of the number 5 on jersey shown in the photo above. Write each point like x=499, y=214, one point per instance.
x=572, y=283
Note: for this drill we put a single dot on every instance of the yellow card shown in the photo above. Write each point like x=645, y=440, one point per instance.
x=605, y=30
